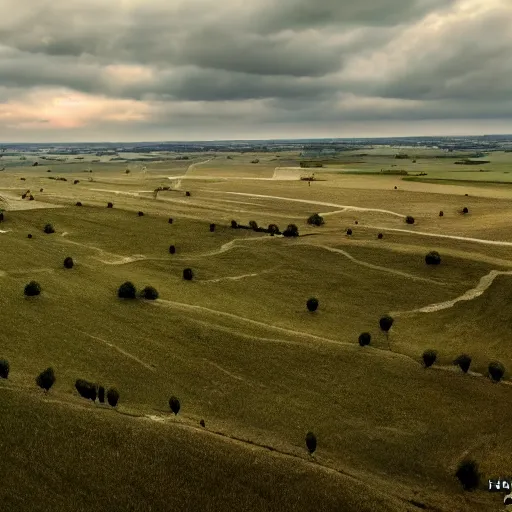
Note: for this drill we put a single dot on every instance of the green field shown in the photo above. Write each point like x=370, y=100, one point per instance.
x=237, y=344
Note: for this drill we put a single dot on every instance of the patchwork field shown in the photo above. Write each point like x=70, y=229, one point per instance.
x=237, y=344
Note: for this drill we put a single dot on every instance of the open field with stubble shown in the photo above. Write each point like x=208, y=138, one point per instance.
x=237, y=344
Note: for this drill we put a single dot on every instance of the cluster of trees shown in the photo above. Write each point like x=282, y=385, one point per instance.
x=128, y=291
x=273, y=229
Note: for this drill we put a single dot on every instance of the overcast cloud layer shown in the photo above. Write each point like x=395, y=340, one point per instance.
x=139, y=70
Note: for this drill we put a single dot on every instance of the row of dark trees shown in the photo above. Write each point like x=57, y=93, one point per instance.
x=291, y=230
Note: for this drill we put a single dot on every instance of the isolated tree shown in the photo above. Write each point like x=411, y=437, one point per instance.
x=40, y=190
x=349, y=232
x=68, y=262
x=172, y=249
x=465, y=210
x=234, y=224
x=356, y=222
x=396, y=188
x=312, y=304
x=76, y=182
x=127, y=291
x=365, y=338
x=291, y=231
x=212, y=228
x=4, y=369
x=496, y=371
x=311, y=442
x=409, y=219
x=463, y=362
x=149, y=293
x=140, y=214
x=110, y=205
x=385, y=324
x=112, y=397
x=379, y=236
x=187, y=193
x=127, y=171
x=433, y=258
x=1, y=216
x=170, y=220
x=188, y=274
x=441, y=213
x=429, y=357
x=253, y=225
x=174, y=404
x=202, y=423
x=468, y=474
x=316, y=220
x=32, y=289
x=78, y=203
x=48, y=228
x=46, y=379
x=101, y=394
x=29, y=236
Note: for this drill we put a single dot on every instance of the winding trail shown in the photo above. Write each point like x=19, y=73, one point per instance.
x=484, y=283
x=438, y=235
x=376, y=267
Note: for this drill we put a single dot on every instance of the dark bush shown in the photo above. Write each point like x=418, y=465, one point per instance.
x=170, y=220
x=174, y=404
x=187, y=194
x=365, y=338
x=1, y=216
x=46, y=379
x=86, y=389
x=78, y=203
x=468, y=475
x=140, y=214
x=234, y=224
x=385, y=323
x=110, y=205
x=396, y=188
x=311, y=442
x=253, y=224
x=496, y=371
x=463, y=362
x=466, y=195
x=29, y=236
x=316, y=220
x=202, y=423
x=379, y=236
x=149, y=293
x=76, y=182
x=112, y=397
x=127, y=291
x=273, y=229
x=212, y=228
x=32, y=289
x=4, y=369
x=48, y=228
x=101, y=394
x=312, y=304
x=291, y=231
x=465, y=210
x=68, y=262
x=31, y=197
x=188, y=274
x=356, y=222
x=433, y=258
x=349, y=232
x=429, y=357
x=441, y=213
x=23, y=196
x=40, y=190
x=172, y=249
x=409, y=219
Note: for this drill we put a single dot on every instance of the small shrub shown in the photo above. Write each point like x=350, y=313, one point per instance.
x=1, y=216
x=31, y=197
x=312, y=304
x=463, y=362
x=433, y=258
x=496, y=371
x=174, y=404
x=127, y=291
x=212, y=228
x=356, y=222
x=40, y=190
x=101, y=394
x=112, y=397
x=316, y=220
x=48, y=229
x=202, y=423
x=311, y=442
x=4, y=369
x=468, y=475
x=234, y=224
x=409, y=219
x=465, y=210
x=365, y=338
x=172, y=249
x=78, y=203
x=76, y=182
x=140, y=214
x=385, y=323
x=149, y=293
x=29, y=236
x=379, y=236
x=291, y=231
x=110, y=205
x=396, y=188
x=253, y=225
x=32, y=289
x=187, y=193
x=46, y=379
x=188, y=274
x=273, y=229
x=441, y=213
x=429, y=357
x=68, y=262
x=170, y=220
x=349, y=232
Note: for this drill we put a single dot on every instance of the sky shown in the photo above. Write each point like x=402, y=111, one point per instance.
x=162, y=70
